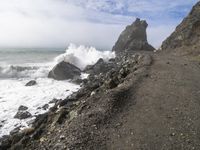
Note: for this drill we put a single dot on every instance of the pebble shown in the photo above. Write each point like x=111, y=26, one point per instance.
x=62, y=137
x=42, y=139
x=173, y=134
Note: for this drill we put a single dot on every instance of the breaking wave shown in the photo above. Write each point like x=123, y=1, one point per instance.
x=34, y=71
x=82, y=56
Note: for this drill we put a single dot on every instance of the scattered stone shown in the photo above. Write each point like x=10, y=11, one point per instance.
x=45, y=107
x=99, y=67
x=31, y=83
x=54, y=101
x=64, y=71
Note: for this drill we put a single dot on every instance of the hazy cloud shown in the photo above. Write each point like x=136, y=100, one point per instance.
x=56, y=23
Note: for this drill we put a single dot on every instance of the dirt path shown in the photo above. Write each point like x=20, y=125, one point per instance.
x=164, y=114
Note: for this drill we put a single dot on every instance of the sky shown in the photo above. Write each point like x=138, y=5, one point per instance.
x=98, y=23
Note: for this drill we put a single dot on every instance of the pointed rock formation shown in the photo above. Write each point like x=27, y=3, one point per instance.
x=133, y=38
x=187, y=33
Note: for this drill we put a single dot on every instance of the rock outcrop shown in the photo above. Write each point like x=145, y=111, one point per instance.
x=64, y=71
x=99, y=67
x=187, y=33
x=133, y=38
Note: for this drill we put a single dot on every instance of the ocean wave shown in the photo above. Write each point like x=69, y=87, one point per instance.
x=11, y=71
x=82, y=56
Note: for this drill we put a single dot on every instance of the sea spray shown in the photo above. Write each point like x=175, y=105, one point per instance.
x=82, y=56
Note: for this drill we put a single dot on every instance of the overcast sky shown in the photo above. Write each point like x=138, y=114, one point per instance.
x=56, y=23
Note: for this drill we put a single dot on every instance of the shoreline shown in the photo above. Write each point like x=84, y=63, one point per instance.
x=34, y=104
x=69, y=109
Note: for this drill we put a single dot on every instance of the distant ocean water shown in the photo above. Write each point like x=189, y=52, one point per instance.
x=14, y=63
x=23, y=55
x=18, y=66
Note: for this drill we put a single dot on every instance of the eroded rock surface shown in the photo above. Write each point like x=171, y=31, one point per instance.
x=22, y=115
x=133, y=38
x=187, y=33
x=99, y=67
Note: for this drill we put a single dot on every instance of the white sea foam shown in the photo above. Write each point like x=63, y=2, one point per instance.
x=13, y=93
x=13, y=78
x=82, y=56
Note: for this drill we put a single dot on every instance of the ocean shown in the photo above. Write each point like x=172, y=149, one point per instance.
x=19, y=66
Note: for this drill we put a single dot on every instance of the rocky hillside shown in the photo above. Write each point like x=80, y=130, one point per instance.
x=187, y=33
x=140, y=100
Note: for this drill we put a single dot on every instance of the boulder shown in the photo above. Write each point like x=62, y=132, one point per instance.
x=187, y=33
x=22, y=108
x=31, y=83
x=99, y=67
x=64, y=71
x=133, y=38
x=22, y=115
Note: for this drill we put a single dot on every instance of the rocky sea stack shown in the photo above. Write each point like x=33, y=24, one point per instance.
x=133, y=38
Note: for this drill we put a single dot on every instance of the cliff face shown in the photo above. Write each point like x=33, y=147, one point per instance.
x=187, y=33
x=133, y=38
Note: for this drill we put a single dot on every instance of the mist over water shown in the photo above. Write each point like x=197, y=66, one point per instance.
x=23, y=56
